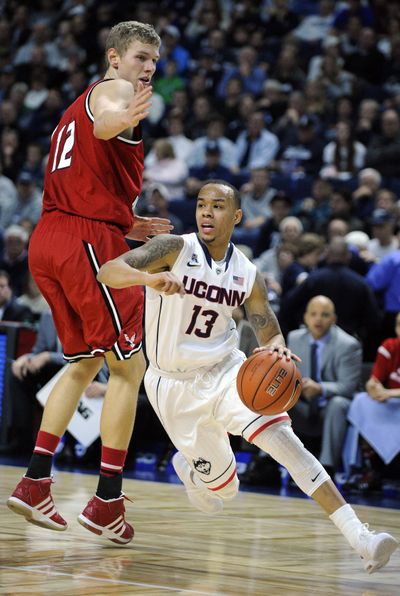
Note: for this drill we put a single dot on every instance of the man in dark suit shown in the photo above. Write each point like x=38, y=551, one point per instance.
x=331, y=361
x=355, y=303
x=10, y=310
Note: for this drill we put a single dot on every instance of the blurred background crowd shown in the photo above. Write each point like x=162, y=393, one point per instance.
x=296, y=102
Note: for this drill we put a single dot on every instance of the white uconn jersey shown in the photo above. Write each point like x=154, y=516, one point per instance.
x=185, y=333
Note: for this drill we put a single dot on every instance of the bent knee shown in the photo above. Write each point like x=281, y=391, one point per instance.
x=228, y=491
x=132, y=369
x=338, y=403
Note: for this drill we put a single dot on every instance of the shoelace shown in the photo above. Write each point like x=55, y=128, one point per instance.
x=365, y=533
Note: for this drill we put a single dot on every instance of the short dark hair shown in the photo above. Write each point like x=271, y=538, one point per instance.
x=235, y=192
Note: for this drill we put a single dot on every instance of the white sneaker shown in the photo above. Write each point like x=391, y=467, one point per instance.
x=375, y=549
x=201, y=498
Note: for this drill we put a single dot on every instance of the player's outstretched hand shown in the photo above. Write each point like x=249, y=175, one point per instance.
x=146, y=227
x=283, y=351
x=139, y=107
x=167, y=283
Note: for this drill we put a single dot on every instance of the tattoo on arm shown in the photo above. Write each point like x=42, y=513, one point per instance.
x=157, y=248
x=265, y=320
x=259, y=312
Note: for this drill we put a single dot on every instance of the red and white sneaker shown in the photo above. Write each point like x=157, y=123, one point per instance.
x=107, y=518
x=32, y=499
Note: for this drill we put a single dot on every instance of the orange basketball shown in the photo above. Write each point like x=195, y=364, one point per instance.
x=268, y=384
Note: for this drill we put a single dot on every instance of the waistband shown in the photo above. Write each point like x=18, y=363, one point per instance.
x=202, y=370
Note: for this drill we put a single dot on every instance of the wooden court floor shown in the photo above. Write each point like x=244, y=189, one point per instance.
x=261, y=545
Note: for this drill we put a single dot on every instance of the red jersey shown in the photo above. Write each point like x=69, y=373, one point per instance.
x=90, y=177
x=387, y=363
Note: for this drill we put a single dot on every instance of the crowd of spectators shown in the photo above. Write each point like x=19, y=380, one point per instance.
x=295, y=102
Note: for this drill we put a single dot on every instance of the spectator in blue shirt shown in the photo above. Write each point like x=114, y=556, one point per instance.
x=384, y=277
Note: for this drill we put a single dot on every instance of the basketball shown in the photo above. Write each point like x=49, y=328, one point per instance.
x=268, y=384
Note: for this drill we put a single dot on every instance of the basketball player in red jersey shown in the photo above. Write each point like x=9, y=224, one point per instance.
x=93, y=177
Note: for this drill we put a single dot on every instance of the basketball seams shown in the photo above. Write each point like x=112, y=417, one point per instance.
x=281, y=394
x=242, y=371
x=244, y=368
x=293, y=398
x=255, y=382
x=262, y=379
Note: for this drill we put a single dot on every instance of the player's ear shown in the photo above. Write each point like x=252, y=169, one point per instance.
x=113, y=58
x=238, y=216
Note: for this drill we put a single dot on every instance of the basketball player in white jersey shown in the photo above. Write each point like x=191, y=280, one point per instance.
x=191, y=344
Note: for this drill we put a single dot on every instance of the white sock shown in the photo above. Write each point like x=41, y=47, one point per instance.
x=347, y=522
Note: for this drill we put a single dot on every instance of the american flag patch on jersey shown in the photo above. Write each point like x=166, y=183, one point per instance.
x=238, y=280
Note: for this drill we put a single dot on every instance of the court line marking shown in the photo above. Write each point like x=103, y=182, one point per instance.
x=35, y=569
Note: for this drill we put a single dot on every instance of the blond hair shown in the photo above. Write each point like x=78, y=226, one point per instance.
x=123, y=34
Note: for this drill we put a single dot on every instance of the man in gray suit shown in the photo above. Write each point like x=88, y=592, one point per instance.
x=331, y=362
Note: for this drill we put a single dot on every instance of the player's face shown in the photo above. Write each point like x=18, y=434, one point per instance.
x=319, y=318
x=138, y=63
x=216, y=215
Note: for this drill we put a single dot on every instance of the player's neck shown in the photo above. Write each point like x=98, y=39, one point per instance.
x=110, y=73
x=218, y=254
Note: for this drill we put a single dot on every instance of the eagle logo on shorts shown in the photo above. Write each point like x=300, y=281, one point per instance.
x=202, y=466
x=130, y=340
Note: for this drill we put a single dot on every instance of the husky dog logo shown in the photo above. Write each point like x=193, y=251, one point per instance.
x=194, y=261
x=202, y=466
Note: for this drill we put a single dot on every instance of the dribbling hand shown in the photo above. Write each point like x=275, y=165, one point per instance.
x=283, y=351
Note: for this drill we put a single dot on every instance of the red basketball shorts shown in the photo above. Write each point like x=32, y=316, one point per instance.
x=65, y=254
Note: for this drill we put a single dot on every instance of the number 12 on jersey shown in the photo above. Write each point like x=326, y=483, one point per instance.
x=65, y=147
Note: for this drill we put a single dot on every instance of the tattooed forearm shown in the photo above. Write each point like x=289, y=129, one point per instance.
x=260, y=314
x=157, y=248
x=265, y=321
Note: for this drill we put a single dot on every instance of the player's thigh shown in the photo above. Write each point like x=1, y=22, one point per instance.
x=234, y=416
x=189, y=421
x=70, y=251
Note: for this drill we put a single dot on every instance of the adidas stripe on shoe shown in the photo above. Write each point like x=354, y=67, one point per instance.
x=107, y=518
x=32, y=498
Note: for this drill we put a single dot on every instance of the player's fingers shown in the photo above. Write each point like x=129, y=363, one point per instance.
x=143, y=92
x=161, y=229
x=160, y=220
x=139, y=117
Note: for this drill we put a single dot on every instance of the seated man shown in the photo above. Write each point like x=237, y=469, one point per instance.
x=331, y=361
x=29, y=373
x=374, y=416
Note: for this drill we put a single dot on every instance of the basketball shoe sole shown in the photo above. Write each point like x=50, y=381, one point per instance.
x=44, y=512
x=376, y=550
